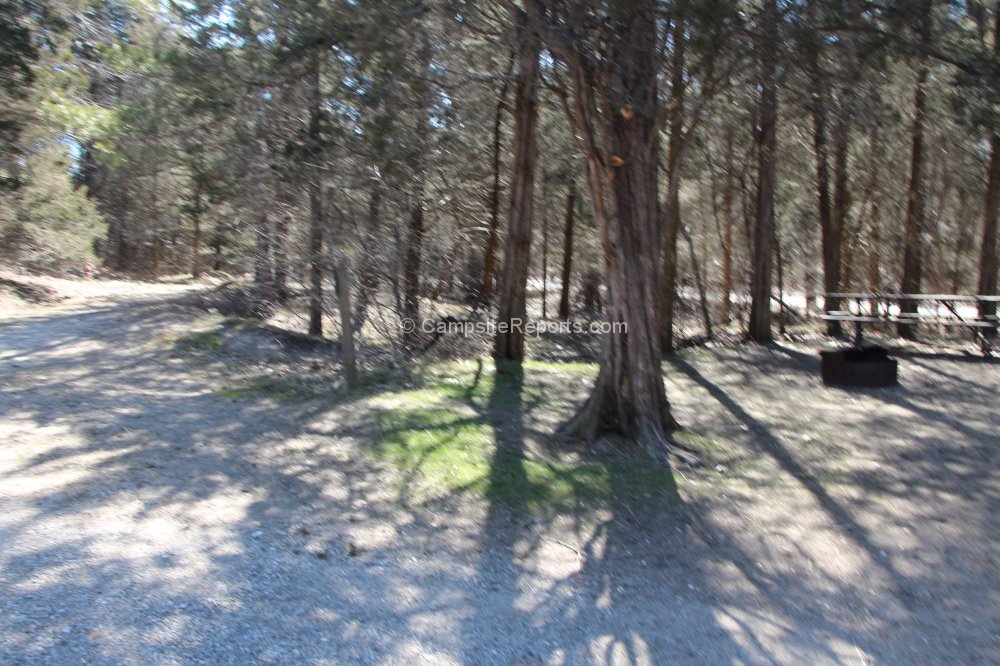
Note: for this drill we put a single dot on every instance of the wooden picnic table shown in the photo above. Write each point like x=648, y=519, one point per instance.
x=874, y=308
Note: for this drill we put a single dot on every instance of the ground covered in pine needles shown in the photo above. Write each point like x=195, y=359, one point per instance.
x=178, y=485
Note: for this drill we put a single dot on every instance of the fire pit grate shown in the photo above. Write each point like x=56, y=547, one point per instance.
x=868, y=366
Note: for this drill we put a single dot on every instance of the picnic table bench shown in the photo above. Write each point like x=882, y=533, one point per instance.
x=873, y=308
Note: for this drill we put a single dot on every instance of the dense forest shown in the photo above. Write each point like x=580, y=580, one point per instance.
x=684, y=168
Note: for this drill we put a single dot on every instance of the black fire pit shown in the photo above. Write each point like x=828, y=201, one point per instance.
x=868, y=366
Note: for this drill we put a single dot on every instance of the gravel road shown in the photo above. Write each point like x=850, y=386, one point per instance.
x=147, y=519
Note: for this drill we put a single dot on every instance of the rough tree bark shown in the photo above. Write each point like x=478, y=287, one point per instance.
x=763, y=242
x=509, y=341
x=567, y=260
x=614, y=115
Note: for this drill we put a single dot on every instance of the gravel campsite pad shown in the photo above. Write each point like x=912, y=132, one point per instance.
x=159, y=504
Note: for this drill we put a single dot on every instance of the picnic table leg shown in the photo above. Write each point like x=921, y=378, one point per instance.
x=857, y=334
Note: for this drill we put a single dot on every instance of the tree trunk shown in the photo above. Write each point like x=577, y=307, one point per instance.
x=263, y=268
x=829, y=236
x=629, y=396
x=545, y=247
x=493, y=238
x=567, y=262
x=155, y=206
x=196, y=236
x=590, y=293
x=782, y=313
x=281, y=227
x=509, y=342
x=668, y=284
x=341, y=276
x=988, y=251
x=914, y=227
x=411, y=272
x=699, y=283
x=368, y=286
x=727, y=235
x=449, y=264
x=315, y=203
x=763, y=244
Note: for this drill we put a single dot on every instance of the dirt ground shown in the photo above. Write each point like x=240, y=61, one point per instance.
x=147, y=516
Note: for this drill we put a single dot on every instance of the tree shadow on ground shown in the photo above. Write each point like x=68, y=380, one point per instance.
x=146, y=518
x=912, y=487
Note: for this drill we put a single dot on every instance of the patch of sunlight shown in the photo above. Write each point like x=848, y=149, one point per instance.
x=700, y=442
x=448, y=448
x=197, y=341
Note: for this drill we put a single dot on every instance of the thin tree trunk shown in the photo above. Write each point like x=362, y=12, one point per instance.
x=545, y=248
x=446, y=269
x=781, y=285
x=368, y=286
x=509, y=341
x=829, y=238
x=567, y=261
x=760, y=283
x=263, y=263
x=699, y=283
x=263, y=268
x=315, y=204
x=914, y=227
x=196, y=236
x=411, y=271
x=155, y=206
x=987, y=285
x=673, y=204
x=493, y=238
x=281, y=227
x=727, y=235
x=875, y=217
x=343, y=284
